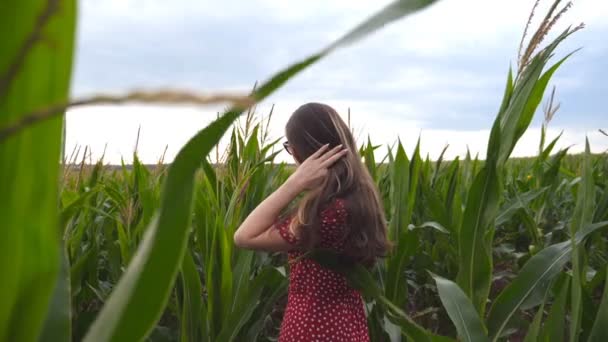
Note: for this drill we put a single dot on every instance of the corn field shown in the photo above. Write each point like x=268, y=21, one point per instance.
x=487, y=248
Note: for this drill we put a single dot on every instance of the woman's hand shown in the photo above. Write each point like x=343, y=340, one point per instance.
x=314, y=169
x=255, y=232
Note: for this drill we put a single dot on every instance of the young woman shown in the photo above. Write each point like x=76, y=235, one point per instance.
x=340, y=211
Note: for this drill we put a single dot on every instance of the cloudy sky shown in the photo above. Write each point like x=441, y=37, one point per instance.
x=438, y=74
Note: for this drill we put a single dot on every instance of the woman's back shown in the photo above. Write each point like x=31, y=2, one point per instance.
x=321, y=305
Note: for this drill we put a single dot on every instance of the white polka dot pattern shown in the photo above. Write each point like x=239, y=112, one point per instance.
x=320, y=305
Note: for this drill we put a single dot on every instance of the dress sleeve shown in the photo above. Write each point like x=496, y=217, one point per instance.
x=282, y=225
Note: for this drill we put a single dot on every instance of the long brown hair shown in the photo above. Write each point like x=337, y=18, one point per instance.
x=311, y=126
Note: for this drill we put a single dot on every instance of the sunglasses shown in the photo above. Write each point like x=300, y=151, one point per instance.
x=286, y=146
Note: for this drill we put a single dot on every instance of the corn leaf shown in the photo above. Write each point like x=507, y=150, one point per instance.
x=248, y=302
x=534, y=328
x=33, y=73
x=599, y=331
x=400, y=180
x=461, y=311
x=518, y=202
x=553, y=328
x=192, y=305
x=534, y=278
x=475, y=269
x=582, y=216
x=58, y=323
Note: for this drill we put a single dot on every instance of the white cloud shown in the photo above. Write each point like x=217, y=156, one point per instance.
x=117, y=127
x=438, y=74
x=172, y=127
x=473, y=27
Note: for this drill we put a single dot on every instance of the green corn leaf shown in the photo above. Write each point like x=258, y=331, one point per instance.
x=543, y=133
x=550, y=175
x=526, y=95
x=513, y=114
x=215, y=309
x=399, y=193
x=405, y=176
x=527, y=222
x=192, y=303
x=509, y=209
x=270, y=146
x=380, y=328
x=76, y=205
x=392, y=12
x=224, y=248
x=475, y=260
x=467, y=172
x=431, y=224
x=506, y=99
x=533, y=280
x=249, y=301
x=79, y=267
x=599, y=331
x=547, y=151
x=242, y=270
x=534, y=328
x=370, y=160
x=415, y=166
x=597, y=280
x=58, y=324
x=582, y=216
x=439, y=210
x=277, y=289
x=252, y=147
x=461, y=311
x=400, y=181
x=553, y=328
x=31, y=78
x=210, y=177
x=438, y=164
x=397, y=316
x=534, y=99
x=233, y=155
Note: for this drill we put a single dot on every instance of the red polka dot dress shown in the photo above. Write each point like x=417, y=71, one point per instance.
x=320, y=304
